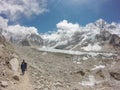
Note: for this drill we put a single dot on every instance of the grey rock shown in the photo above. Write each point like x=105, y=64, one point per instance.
x=4, y=83
x=16, y=77
x=115, y=75
x=115, y=40
x=14, y=65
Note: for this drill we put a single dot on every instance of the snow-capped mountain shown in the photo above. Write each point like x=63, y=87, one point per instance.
x=20, y=34
x=96, y=36
x=32, y=40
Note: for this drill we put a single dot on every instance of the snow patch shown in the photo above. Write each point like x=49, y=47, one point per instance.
x=90, y=82
x=60, y=43
x=85, y=58
x=76, y=62
x=98, y=67
x=90, y=47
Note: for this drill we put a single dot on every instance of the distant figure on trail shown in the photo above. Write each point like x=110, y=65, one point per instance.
x=23, y=67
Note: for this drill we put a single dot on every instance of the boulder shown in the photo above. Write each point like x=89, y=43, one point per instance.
x=4, y=83
x=14, y=64
x=16, y=77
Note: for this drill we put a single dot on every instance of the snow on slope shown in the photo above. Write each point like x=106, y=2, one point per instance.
x=71, y=36
x=92, y=54
x=94, y=47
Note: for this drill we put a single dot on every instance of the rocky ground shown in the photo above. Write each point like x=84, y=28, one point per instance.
x=10, y=74
x=57, y=71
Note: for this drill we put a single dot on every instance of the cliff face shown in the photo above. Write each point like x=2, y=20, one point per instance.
x=105, y=37
x=32, y=40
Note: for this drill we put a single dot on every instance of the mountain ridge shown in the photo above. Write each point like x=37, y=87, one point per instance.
x=94, y=36
x=97, y=33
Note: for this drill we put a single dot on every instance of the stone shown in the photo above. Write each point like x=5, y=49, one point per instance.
x=82, y=73
x=100, y=73
x=115, y=75
x=4, y=83
x=15, y=77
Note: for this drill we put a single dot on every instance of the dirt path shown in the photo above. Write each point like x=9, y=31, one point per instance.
x=24, y=83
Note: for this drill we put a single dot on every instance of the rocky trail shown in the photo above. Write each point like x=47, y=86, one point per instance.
x=24, y=83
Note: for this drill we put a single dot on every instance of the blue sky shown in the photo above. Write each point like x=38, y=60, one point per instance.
x=52, y=12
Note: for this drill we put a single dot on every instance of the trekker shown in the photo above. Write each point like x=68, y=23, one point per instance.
x=23, y=67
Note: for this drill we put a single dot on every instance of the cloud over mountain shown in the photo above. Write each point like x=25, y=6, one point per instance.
x=3, y=23
x=65, y=25
x=15, y=30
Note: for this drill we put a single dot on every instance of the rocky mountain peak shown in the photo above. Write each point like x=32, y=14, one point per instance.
x=97, y=34
x=32, y=40
x=100, y=23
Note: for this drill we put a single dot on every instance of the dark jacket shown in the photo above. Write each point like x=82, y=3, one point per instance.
x=24, y=66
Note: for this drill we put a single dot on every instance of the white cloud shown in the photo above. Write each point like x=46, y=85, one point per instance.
x=22, y=30
x=15, y=30
x=65, y=25
x=13, y=9
x=19, y=32
x=65, y=30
